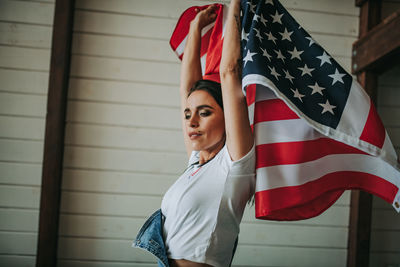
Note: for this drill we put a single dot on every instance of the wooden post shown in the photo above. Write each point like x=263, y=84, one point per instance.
x=361, y=202
x=54, y=134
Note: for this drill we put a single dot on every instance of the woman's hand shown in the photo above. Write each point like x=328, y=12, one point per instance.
x=205, y=16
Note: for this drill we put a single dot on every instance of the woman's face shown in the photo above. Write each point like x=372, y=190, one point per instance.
x=205, y=124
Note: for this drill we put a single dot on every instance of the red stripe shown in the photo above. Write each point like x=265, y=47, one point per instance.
x=251, y=94
x=205, y=39
x=299, y=152
x=311, y=199
x=272, y=110
x=374, y=131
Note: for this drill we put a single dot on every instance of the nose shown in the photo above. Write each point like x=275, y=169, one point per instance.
x=193, y=121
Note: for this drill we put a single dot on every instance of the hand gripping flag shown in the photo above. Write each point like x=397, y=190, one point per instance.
x=317, y=132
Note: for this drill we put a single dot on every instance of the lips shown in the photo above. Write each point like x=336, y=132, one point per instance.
x=194, y=135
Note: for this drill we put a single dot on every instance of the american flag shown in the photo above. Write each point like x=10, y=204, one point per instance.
x=317, y=132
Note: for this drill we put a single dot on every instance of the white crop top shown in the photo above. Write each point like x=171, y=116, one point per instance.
x=204, y=207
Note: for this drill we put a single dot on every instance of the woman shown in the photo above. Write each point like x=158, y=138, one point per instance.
x=202, y=210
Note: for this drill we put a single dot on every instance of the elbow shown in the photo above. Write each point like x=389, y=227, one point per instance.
x=232, y=70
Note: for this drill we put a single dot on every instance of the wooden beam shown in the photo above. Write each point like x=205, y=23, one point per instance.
x=379, y=49
x=361, y=202
x=54, y=134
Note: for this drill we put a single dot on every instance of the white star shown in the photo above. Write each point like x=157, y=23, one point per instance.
x=252, y=7
x=269, y=2
x=256, y=17
x=279, y=55
x=337, y=77
x=316, y=89
x=271, y=37
x=263, y=20
x=306, y=70
x=277, y=17
x=286, y=35
x=295, y=53
x=327, y=107
x=311, y=41
x=258, y=34
x=325, y=58
x=265, y=54
x=248, y=57
x=297, y=94
x=288, y=76
x=273, y=72
x=245, y=35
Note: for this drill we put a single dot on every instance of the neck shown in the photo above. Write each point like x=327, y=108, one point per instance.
x=208, y=154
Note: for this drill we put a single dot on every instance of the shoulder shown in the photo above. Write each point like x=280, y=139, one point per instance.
x=244, y=165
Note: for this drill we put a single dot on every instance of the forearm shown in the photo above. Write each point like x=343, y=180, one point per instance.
x=231, y=62
x=191, y=66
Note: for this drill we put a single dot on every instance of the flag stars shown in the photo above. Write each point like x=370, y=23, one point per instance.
x=295, y=53
x=296, y=94
x=245, y=35
x=306, y=70
x=279, y=55
x=311, y=41
x=248, y=57
x=271, y=37
x=263, y=20
x=277, y=17
x=274, y=73
x=258, y=35
x=327, y=107
x=337, y=77
x=252, y=7
x=316, y=89
x=265, y=54
x=269, y=2
x=256, y=17
x=325, y=59
x=286, y=35
x=288, y=76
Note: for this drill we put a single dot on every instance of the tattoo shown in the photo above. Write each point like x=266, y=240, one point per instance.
x=237, y=19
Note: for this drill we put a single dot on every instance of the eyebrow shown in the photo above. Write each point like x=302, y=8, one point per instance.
x=199, y=107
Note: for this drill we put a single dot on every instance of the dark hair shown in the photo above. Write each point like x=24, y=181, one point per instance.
x=211, y=87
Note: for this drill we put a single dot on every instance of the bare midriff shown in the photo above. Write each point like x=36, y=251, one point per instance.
x=186, y=263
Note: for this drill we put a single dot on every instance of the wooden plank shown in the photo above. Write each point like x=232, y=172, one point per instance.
x=18, y=243
x=21, y=151
x=393, y=259
x=161, y=28
x=124, y=137
x=385, y=241
x=124, y=92
x=388, y=95
x=379, y=48
x=16, y=34
x=116, y=182
x=15, y=11
x=19, y=196
x=22, y=104
x=20, y=173
x=19, y=220
x=16, y=127
x=124, y=115
x=394, y=134
x=24, y=58
x=54, y=134
x=82, y=263
x=389, y=115
x=125, y=70
x=125, y=160
x=173, y=8
x=17, y=260
x=31, y=82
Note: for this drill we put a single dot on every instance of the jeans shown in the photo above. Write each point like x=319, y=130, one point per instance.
x=150, y=238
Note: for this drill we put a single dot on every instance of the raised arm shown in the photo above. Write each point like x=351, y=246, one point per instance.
x=191, y=66
x=239, y=137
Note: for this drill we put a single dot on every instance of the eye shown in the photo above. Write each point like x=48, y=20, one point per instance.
x=204, y=113
x=187, y=115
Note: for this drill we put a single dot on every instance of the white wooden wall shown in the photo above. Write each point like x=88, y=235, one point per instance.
x=25, y=41
x=124, y=146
